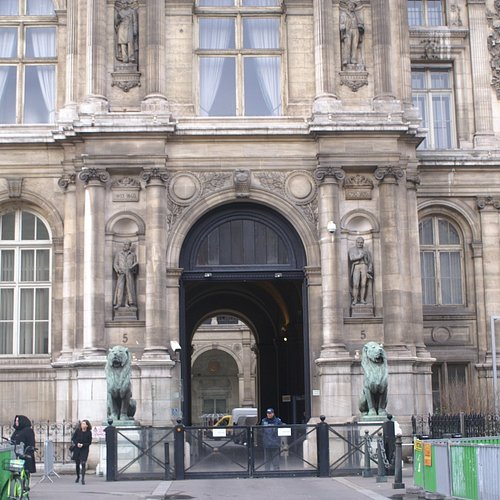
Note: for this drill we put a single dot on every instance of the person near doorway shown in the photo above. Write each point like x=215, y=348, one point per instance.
x=271, y=441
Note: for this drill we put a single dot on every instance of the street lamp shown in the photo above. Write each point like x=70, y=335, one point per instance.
x=494, y=361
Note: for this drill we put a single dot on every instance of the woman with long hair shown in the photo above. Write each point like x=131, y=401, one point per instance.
x=81, y=441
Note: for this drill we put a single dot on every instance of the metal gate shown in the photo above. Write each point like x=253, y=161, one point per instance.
x=250, y=451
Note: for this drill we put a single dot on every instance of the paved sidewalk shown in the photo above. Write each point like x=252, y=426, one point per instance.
x=298, y=488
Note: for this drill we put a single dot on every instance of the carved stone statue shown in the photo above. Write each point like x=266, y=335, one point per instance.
x=373, y=399
x=121, y=406
x=127, y=31
x=126, y=267
x=352, y=29
x=361, y=271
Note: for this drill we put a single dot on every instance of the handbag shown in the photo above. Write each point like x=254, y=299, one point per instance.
x=72, y=448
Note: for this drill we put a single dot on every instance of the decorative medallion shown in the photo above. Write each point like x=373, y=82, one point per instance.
x=184, y=188
x=300, y=187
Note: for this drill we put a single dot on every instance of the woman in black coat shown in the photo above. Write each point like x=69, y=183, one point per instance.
x=81, y=440
x=23, y=433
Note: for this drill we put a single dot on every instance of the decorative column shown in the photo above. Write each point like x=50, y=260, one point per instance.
x=382, y=61
x=93, y=260
x=325, y=101
x=393, y=268
x=489, y=210
x=416, y=333
x=334, y=362
x=481, y=73
x=95, y=79
x=156, y=247
x=155, y=70
x=67, y=184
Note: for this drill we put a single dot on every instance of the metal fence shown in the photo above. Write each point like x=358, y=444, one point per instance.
x=59, y=433
x=458, y=425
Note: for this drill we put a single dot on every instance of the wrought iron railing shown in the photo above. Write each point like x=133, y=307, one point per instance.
x=460, y=424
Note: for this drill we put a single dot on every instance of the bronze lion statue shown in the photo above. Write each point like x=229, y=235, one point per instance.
x=373, y=400
x=121, y=406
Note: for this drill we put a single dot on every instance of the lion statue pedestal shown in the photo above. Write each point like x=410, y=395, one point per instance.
x=121, y=406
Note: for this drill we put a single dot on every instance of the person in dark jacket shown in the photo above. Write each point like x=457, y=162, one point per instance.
x=271, y=441
x=23, y=433
x=81, y=440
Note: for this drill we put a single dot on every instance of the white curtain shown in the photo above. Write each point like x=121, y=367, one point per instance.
x=427, y=271
x=264, y=34
x=40, y=8
x=42, y=42
x=260, y=3
x=9, y=7
x=6, y=323
x=27, y=265
x=214, y=34
x=8, y=37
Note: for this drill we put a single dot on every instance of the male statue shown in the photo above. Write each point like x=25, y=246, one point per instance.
x=361, y=271
x=127, y=29
x=352, y=29
x=126, y=267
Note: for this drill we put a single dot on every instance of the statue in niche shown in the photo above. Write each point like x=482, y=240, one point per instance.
x=360, y=271
x=126, y=267
x=352, y=29
x=127, y=31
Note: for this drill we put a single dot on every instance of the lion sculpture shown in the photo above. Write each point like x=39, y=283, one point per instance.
x=373, y=400
x=121, y=406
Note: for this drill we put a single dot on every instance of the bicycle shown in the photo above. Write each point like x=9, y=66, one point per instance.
x=18, y=485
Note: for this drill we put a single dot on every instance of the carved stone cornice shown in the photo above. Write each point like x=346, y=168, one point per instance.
x=323, y=173
x=67, y=179
x=391, y=172
x=93, y=175
x=155, y=175
x=487, y=201
x=358, y=187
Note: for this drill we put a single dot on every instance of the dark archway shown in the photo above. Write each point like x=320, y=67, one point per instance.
x=248, y=260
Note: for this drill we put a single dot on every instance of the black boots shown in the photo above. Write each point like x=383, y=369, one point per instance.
x=77, y=473
x=83, y=472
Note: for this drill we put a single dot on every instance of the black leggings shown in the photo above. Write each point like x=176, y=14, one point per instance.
x=84, y=464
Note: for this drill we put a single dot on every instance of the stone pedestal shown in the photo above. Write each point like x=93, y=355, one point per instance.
x=125, y=313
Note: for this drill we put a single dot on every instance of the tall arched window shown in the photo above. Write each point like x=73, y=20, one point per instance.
x=441, y=255
x=25, y=284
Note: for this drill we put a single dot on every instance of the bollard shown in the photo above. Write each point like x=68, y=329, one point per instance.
x=381, y=477
x=367, y=472
x=398, y=464
x=179, y=450
x=323, y=448
x=111, y=451
x=389, y=442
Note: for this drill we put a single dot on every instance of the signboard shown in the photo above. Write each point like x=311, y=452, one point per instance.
x=418, y=445
x=219, y=433
x=428, y=454
x=284, y=431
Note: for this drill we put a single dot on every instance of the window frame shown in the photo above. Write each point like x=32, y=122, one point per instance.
x=429, y=143
x=436, y=248
x=426, y=15
x=22, y=22
x=238, y=12
x=17, y=284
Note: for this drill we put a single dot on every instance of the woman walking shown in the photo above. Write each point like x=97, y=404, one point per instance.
x=23, y=433
x=81, y=440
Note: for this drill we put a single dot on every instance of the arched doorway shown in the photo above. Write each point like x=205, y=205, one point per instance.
x=246, y=260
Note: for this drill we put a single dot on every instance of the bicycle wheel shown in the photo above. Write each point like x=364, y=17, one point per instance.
x=15, y=489
x=25, y=481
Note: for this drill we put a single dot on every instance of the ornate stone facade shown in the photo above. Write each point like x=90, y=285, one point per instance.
x=253, y=215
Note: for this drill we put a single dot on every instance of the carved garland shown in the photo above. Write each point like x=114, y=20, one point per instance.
x=494, y=46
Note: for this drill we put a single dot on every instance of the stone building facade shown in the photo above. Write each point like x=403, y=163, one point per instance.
x=242, y=147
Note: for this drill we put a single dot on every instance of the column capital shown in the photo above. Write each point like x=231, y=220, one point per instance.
x=322, y=173
x=155, y=176
x=487, y=202
x=93, y=175
x=412, y=181
x=66, y=180
x=390, y=173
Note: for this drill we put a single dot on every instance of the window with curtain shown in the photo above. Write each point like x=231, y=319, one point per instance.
x=426, y=13
x=25, y=284
x=240, y=57
x=27, y=61
x=433, y=96
x=441, y=257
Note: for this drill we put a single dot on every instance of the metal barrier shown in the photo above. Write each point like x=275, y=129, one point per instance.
x=462, y=468
x=48, y=462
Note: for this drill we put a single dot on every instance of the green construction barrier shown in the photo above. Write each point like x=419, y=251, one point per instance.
x=464, y=471
x=5, y=456
x=418, y=462
x=429, y=467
